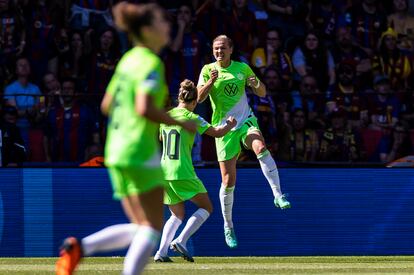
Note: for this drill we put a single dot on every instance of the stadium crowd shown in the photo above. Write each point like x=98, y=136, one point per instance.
x=339, y=75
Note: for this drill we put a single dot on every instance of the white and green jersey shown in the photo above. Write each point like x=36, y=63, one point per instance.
x=228, y=95
x=132, y=140
x=176, y=160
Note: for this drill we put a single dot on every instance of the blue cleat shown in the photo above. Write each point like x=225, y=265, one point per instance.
x=230, y=237
x=282, y=202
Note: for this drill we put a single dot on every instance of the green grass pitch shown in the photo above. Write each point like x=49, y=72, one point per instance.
x=225, y=265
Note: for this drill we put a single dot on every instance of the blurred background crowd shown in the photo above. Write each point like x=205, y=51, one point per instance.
x=339, y=75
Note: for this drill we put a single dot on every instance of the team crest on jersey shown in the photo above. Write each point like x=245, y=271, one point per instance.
x=154, y=75
x=151, y=81
x=240, y=76
x=230, y=89
x=203, y=122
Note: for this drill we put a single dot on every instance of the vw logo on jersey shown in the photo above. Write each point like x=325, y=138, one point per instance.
x=230, y=89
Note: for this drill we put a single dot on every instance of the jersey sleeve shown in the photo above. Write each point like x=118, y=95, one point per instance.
x=202, y=125
x=204, y=76
x=249, y=72
x=112, y=86
x=152, y=81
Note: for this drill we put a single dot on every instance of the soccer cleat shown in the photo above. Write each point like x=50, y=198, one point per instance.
x=230, y=237
x=282, y=202
x=70, y=255
x=177, y=247
x=162, y=259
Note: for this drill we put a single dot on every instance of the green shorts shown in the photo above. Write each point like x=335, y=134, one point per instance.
x=229, y=146
x=127, y=181
x=177, y=191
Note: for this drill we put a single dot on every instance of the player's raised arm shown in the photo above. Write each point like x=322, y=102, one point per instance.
x=146, y=108
x=257, y=86
x=204, y=87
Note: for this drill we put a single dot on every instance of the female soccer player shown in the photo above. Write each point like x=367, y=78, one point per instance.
x=134, y=102
x=182, y=181
x=224, y=81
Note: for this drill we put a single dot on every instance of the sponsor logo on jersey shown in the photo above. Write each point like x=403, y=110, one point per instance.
x=230, y=89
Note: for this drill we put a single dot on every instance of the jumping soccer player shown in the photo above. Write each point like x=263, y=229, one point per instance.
x=225, y=81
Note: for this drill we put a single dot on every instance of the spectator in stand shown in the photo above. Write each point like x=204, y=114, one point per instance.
x=342, y=5
x=24, y=95
x=62, y=46
x=367, y=22
x=273, y=55
x=13, y=151
x=84, y=14
x=188, y=51
x=383, y=106
x=348, y=97
x=395, y=145
x=338, y=142
x=51, y=90
x=72, y=63
x=313, y=58
x=392, y=62
x=43, y=17
x=212, y=25
x=407, y=113
x=70, y=128
x=288, y=15
x=298, y=143
x=187, y=55
x=345, y=49
x=280, y=97
x=311, y=100
x=402, y=22
x=102, y=62
x=242, y=27
x=323, y=17
x=12, y=38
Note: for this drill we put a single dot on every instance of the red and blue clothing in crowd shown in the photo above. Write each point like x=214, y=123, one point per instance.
x=70, y=131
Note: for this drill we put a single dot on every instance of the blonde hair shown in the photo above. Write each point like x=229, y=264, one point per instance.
x=187, y=92
x=224, y=37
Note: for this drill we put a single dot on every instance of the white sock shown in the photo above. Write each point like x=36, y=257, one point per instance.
x=140, y=250
x=168, y=233
x=226, y=202
x=113, y=237
x=192, y=225
x=270, y=171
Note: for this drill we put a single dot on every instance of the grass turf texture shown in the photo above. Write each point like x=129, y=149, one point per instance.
x=226, y=265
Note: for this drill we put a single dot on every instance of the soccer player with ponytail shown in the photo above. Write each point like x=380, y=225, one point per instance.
x=182, y=182
x=134, y=102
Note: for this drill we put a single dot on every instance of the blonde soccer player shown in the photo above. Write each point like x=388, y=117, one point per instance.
x=225, y=81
